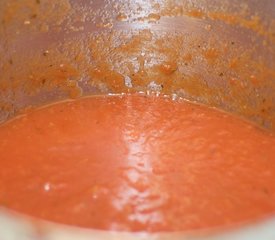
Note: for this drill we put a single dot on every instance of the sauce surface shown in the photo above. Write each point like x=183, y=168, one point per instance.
x=136, y=163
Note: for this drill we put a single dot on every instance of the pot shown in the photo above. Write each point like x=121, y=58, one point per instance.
x=218, y=53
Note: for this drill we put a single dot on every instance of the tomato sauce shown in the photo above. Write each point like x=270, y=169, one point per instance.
x=136, y=163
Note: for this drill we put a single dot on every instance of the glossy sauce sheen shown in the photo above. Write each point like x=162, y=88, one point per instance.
x=135, y=163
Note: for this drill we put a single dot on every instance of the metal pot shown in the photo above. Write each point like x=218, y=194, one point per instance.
x=219, y=53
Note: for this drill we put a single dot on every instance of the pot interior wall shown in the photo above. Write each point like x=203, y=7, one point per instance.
x=219, y=53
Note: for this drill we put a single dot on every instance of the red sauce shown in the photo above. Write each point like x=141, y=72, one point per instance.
x=136, y=163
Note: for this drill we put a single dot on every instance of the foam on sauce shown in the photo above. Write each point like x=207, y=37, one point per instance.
x=136, y=163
